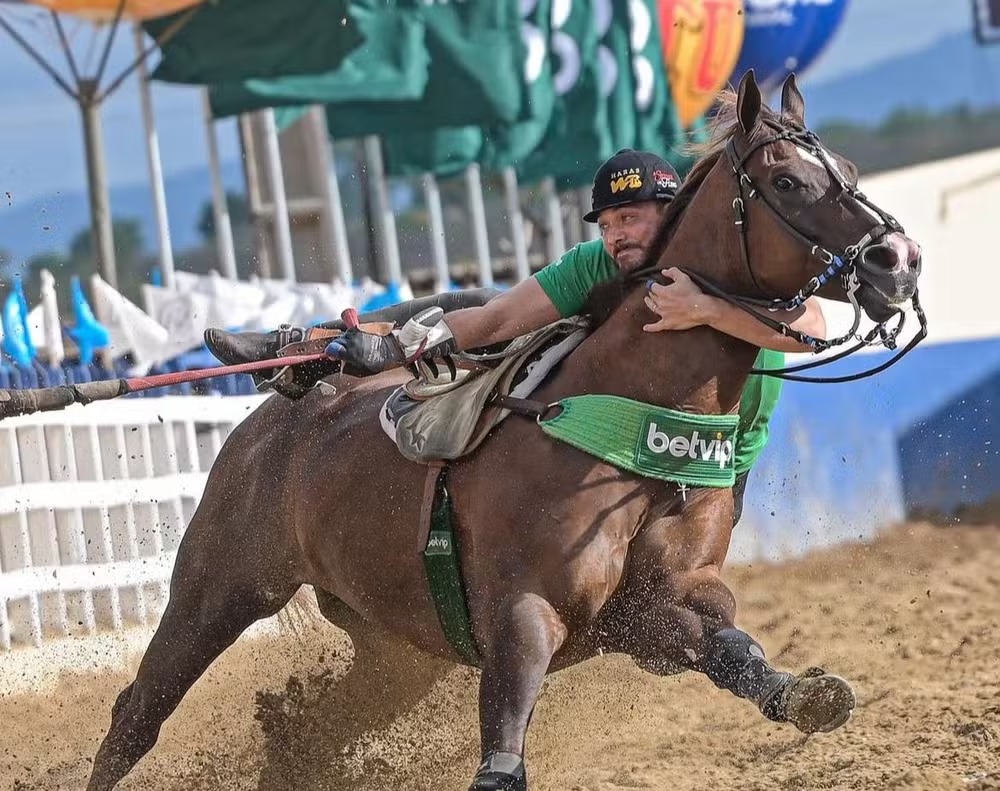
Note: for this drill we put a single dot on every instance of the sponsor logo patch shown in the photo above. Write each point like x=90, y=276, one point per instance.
x=664, y=180
x=716, y=449
x=439, y=543
x=625, y=180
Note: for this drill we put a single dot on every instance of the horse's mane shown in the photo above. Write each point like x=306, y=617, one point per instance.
x=606, y=298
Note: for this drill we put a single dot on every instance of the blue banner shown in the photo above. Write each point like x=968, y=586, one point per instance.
x=785, y=36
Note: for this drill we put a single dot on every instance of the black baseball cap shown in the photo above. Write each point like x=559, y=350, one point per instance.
x=632, y=176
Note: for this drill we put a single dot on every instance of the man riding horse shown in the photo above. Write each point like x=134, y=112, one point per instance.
x=630, y=192
x=576, y=535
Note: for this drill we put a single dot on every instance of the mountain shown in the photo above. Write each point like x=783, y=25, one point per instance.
x=49, y=223
x=953, y=70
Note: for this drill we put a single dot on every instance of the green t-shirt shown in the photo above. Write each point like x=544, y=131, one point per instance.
x=568, y=283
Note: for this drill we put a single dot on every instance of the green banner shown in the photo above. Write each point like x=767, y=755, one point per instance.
x=652, y=441
x=578, y=127
x=465, y=71
x=229, y=40
x=473, y=78
x=443, y=152
x=615, y=113
x=391, y=65
x=505, y=145
x=448, y=151
x=617, y=79
x=658, y=127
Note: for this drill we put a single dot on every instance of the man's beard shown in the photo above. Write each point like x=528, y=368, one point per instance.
x=633, y=254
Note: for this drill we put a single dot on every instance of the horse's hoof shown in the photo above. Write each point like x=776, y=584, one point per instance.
x=817, y=702
x=501, y=772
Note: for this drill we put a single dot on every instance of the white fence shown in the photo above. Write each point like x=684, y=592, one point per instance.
x=93, y=502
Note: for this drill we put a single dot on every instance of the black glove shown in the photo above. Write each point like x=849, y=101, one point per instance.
x=366, y=352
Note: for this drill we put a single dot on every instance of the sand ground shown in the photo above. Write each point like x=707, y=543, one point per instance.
x=913, y=620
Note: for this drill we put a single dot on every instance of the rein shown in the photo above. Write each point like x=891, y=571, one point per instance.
x=842, y=264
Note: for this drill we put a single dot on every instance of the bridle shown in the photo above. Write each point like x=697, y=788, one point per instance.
x=840, y=262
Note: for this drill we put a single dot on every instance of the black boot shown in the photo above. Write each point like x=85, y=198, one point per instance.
x=294, y=382
x=813, y=701
x=246, y=347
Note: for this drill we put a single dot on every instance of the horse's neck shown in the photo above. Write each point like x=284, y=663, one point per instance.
x=700, y=370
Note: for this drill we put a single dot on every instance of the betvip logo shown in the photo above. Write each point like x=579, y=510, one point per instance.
x=693, y=447
x=439, y=543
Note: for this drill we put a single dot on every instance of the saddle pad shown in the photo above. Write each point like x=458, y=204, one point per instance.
x=452, y=424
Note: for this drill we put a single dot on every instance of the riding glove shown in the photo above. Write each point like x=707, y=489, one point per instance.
x=366, y=352
x=423, y=337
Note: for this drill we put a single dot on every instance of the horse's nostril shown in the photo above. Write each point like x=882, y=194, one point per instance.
x=880, y=256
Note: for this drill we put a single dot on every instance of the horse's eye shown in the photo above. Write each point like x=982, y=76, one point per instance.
x=785, y=184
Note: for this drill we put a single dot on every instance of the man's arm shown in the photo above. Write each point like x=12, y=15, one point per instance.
x=681, y=305
x=524, y=308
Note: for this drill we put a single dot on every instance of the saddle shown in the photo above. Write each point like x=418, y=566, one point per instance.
x=439, y=417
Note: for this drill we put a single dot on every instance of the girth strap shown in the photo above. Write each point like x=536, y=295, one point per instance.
x=438, y=545
x=434, y=470
x=526, y=407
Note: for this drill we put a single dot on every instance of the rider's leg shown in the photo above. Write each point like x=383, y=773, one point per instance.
x=241, y=347
x=447, y=301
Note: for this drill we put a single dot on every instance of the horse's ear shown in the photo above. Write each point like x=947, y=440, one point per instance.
x=793, y=106
x=748, y=101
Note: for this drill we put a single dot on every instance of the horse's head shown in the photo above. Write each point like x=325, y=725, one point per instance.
x=805, y=226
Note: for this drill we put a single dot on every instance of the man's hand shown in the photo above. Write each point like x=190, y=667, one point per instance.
x=680, y=305
x=366, y=352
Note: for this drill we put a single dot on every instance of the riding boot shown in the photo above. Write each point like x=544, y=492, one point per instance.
x=293, y=382
x=501, y=772
x=244, y=347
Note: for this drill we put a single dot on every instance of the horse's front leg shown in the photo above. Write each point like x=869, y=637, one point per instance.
x=675, y=613
x=688, y=623
x=522, y=637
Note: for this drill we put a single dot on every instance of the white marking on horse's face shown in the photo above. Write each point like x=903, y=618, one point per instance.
x=809, y=157
x=812, y=159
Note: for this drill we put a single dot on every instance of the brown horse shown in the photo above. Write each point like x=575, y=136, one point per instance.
x=563, y=556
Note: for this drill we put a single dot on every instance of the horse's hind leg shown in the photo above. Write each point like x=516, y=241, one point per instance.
x=218, y=589
x=524, y=635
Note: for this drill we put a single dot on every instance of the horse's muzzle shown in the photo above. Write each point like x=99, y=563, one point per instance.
x=891, y=267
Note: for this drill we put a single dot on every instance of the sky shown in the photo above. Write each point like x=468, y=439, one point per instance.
x=40, y=141
x=875, y=30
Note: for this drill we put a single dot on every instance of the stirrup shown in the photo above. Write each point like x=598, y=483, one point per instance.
x=283, y=382
x=265, y=383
